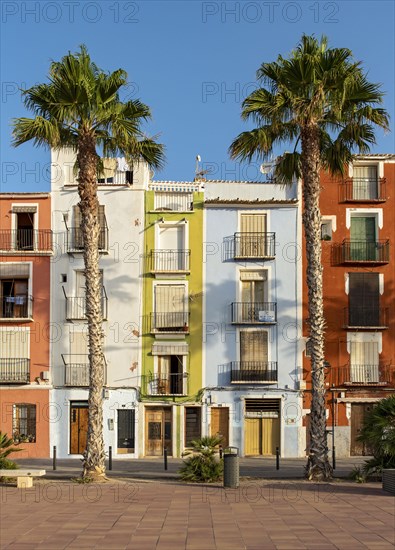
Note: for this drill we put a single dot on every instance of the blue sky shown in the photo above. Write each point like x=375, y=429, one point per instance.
x=191, y=62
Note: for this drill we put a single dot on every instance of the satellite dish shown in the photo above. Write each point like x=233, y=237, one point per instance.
x=265, y=168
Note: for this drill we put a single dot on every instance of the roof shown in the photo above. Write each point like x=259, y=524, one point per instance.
x=27, y=194
x=245, y=201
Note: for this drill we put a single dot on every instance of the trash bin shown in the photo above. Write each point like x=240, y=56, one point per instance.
x=231, y=467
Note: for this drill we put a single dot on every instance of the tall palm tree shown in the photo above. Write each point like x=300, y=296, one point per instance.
x=320, y=101
x=80, y=108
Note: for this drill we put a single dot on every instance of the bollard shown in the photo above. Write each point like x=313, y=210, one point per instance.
x=165, y=457
x=220, y=451
x=334, y=457
x=277, y=458
x=110, y=457
x=54, y=458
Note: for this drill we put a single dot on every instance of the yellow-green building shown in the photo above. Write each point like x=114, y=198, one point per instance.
x=171, y=334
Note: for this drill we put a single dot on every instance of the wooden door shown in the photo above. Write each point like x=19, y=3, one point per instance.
x=252, y=436
x=358, y=413
x=270, y=435
x=78, y=428
x=220, y=424
x=262, y=436
x=158, y=432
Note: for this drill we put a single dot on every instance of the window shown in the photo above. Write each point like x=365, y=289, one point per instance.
x=14, y=355
x=192, y=424
x=24, y=224
x=171, y=253
x=78, y=241
x=254, y=307
x=326, y=230
x=176, y=202
x=77, y=362
x=170, y=308
x=253, y=347
x=253, y=241
x=363, y=238
x=170, y=375
x=365, y=182
x=364, y=362
x=14, y=287
x=24, y=423
x=364, y=299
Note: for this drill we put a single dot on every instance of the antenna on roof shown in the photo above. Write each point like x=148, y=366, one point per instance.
x=267, y=168
x=199, y=173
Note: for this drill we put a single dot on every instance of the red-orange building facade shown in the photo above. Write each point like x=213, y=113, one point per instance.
x=358, y=236
x=26, y=252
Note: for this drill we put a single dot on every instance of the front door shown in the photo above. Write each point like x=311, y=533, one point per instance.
x=157, y=431
x=78, y=427
x=126, y=418
x=358, y=413
x=262, y=436
x=220, y=424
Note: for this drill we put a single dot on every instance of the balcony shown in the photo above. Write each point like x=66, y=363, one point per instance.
x=31, y=241
x=361, y=375
x=364, y=252
x=169, y=261
x=254, y=313
x=16, y=308
x=257, y=372
x=171, y=384
x=77, y=371
x=254, y=246
x=170, y=322
x=360, y=317
x=363, y=190
x=75, y=241
x=14, y=371
x=76, y=306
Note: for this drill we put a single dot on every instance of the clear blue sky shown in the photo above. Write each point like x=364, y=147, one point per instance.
x=191, y=62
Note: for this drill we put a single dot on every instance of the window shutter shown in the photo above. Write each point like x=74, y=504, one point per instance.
x=253, y=223
x=14, y=344
x=253, y=345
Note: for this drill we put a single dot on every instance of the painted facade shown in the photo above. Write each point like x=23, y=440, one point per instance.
x=26, y=254
x=358, y=235
x=121, y=196
x=252, y=317
x=171, y=335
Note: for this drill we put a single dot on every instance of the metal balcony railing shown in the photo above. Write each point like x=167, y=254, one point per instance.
x=365, y=251
x=363, y=190
x=260, y=313
x=261, y=372
x=75, y=241
x=171, y=384
x=77, y=370
x=170, y=322
x=15, y=370
x=361, y=375
x=254, y=245
x=26, y=240
x=76, y=306
x=366, y=317
x=16, y=307
x=169, y=261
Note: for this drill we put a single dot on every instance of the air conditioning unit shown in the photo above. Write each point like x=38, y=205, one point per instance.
x=45, y=375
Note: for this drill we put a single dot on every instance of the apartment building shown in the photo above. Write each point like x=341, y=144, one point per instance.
x=358, y=234
x=121, y=191
x=171, y=337
x=252, y=317
x=26, y=254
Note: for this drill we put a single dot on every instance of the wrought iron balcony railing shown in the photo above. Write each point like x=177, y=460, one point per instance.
x=261, y=372
x=254, y=245
x=76, y=306
x=171, y=384
x=16, y=307
x=259, y=313
x=361, y=375
x=170, y=322
x=77, y=370
x=169, y=261
x=15, y=370
x=25, y=240
x=75, y=241
x=374, y=252
x=363, y=190
x=366, y=317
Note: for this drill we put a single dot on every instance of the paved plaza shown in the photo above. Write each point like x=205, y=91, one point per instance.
x=169, y=515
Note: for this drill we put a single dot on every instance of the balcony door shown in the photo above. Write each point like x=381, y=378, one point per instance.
x=253, y=356
x=364, y=300
x=170, y=307
x=364, y=362
x=365, y=183
x=253, y=296
x=363, y=238
x=253, y=236
x=170, y=374
x=171, y=255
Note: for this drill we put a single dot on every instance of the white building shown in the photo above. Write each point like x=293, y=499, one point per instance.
x=121, y=196
x=253, y=317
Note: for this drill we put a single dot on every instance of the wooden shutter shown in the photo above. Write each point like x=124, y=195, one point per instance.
x=364, y=299
x=253, y=223
x=103, y=227
x=78, y=241
x=253, y=345
x=170, y=305
x=78, y=347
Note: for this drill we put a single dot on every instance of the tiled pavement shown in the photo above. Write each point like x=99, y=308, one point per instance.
x=170, y=516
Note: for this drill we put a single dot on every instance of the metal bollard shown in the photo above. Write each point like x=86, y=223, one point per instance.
x=110, y=457
x=334, y=457
x=220, y=451
x=277, y=458
x=54, y=458
x=165, y=457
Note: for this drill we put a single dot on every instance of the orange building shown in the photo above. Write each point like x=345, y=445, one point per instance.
x=25, y=255
x=358, y=236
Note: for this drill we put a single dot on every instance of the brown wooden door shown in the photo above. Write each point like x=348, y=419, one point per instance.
x=158, y=431
x=78, y=428
x=220, y=424
x=358, y=413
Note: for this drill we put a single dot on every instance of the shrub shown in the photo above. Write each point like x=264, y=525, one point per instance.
x=203, y=465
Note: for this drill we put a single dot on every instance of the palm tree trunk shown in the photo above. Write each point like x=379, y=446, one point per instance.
x=94, y=456
x=318, y=467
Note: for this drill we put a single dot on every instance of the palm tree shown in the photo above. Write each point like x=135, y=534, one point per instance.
x=80, y=108
x=320, y=101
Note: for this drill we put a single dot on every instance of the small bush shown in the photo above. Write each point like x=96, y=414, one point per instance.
x=203, y=465
x=6, y=448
